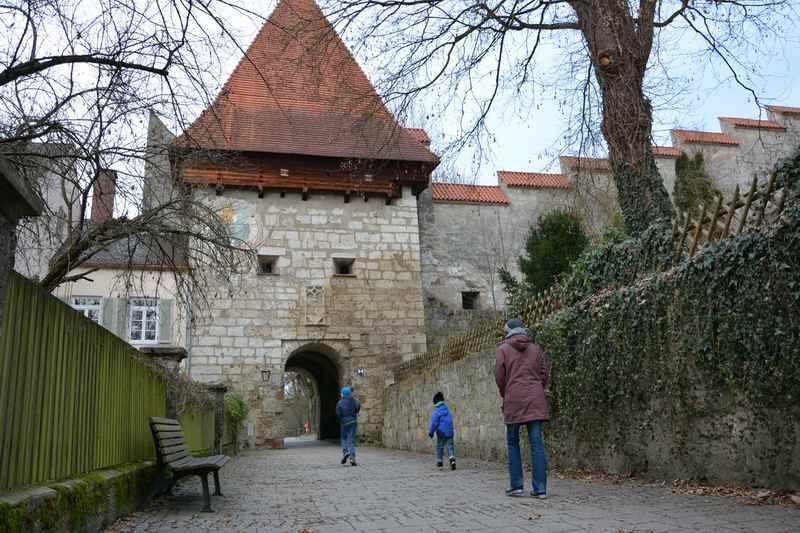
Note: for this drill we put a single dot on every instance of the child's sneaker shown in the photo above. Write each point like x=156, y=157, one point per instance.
x=353, y=462
x=345, y=455
x=439, y=464
x=452, y=463
x=542, y=496
x=515, y=492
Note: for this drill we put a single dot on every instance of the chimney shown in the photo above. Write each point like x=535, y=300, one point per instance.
x=103, y=200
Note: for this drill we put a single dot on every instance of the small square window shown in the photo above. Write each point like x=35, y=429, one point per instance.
x=89, y=306
x=470, y=299
x=343, y=267
x=267, y=265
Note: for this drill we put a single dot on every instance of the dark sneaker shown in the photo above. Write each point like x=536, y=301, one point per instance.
x=439, y=465
x=542, y=496
x=353, y=462
x=452, y=463
x=515, y=492
x=344, y=457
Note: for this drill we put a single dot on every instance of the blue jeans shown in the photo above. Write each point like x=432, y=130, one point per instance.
x=441, y=442
x=349, y=440
x=538, y=458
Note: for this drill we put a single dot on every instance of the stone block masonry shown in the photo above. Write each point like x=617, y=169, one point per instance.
x=346, y=327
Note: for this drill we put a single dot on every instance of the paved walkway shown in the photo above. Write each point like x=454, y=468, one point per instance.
x=304, y=489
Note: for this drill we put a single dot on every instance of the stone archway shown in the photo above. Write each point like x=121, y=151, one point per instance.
x=325, y=365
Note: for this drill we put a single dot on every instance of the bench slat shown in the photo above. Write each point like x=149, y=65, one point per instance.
x=170, y=441
x=175, y=448
x=165, y=421
x=172, y=457
x=202, y=463
x=166, y=428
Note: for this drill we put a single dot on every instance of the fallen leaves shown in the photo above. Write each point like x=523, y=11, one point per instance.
x=757, y=496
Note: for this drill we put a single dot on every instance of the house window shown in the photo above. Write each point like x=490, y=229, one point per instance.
x=469, y=299
x=343, y=267
x=144, y=320
x=267, y=264
x=88, y=306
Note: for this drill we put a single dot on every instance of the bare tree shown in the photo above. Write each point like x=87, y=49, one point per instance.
x=469, y=51
x=77, y=82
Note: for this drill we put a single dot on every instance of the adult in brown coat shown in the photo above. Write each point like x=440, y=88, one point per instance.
x=521, y=372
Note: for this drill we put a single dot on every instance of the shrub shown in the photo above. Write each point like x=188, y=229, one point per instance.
x=552, y=245
x=693, y=186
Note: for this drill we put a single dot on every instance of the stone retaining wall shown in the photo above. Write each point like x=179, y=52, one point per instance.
x=727, y=442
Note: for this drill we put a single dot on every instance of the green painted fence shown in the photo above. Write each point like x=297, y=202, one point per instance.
x=198, y=430
x=73, y=396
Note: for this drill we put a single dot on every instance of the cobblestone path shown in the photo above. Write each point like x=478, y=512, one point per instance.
x=304, y=489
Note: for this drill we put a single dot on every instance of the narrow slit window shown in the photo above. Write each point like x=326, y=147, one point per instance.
x=470, y=299
x=343, y=267
x=267, y=265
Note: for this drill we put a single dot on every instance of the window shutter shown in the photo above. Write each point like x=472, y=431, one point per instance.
x=121, y=326
x=165, y=320
x=108, y=313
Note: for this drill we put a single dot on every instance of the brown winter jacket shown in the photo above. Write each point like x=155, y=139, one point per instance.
x=521, y=372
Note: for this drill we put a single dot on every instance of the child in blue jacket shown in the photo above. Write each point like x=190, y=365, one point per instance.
x=442, y=426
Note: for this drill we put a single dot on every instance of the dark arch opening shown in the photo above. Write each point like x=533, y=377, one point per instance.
x=326, y=374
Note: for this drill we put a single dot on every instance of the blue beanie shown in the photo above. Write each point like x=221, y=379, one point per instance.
x=514, y=323
x=346, y=392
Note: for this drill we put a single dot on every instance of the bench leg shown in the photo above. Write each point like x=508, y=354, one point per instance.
x=206, y=497
x=217, y=492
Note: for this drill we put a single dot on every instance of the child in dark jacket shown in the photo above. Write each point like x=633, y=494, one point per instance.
x=442, y=426
x=347, y=410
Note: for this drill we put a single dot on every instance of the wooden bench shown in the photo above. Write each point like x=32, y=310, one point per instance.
x=172, y=452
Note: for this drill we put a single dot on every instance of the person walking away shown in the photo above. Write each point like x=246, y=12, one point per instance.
x=521, y=372
x=442, y=426
x=347, y=411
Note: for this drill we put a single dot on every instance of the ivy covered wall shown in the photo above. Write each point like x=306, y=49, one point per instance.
x=687, y=372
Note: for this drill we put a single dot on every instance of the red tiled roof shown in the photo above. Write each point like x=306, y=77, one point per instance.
x=420, y=135
x=474, y=194
x=587, y=163
x=704, y=137
x=784, y=110
x=751, y=123
x=299, y=91
x=534, y=180
x=666, y=151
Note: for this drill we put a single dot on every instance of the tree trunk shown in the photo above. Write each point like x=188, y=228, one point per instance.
x=620, y=47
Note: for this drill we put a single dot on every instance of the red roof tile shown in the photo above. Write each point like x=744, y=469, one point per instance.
x=704, y=137
x=751, y=123
x=420, y=135
x=534, y=180
x=586, y=163
x=666, y=151
x=474, y=194
x=299, y=91
x=784, y=110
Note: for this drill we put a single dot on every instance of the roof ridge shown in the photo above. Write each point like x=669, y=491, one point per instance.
x=704, y=137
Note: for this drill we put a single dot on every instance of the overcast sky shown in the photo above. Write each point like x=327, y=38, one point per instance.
x=534, y=142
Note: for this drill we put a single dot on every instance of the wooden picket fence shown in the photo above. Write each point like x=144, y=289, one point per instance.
x=482, y=336
x=760, y=205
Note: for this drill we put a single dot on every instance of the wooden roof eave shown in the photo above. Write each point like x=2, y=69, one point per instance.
x=230, y=179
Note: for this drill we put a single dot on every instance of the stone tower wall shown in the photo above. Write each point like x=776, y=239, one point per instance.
x=371, y=320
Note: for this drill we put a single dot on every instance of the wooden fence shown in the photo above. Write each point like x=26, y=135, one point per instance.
x=73, y=396
x=480, y=337
x=762, y=204
x=198, y=430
